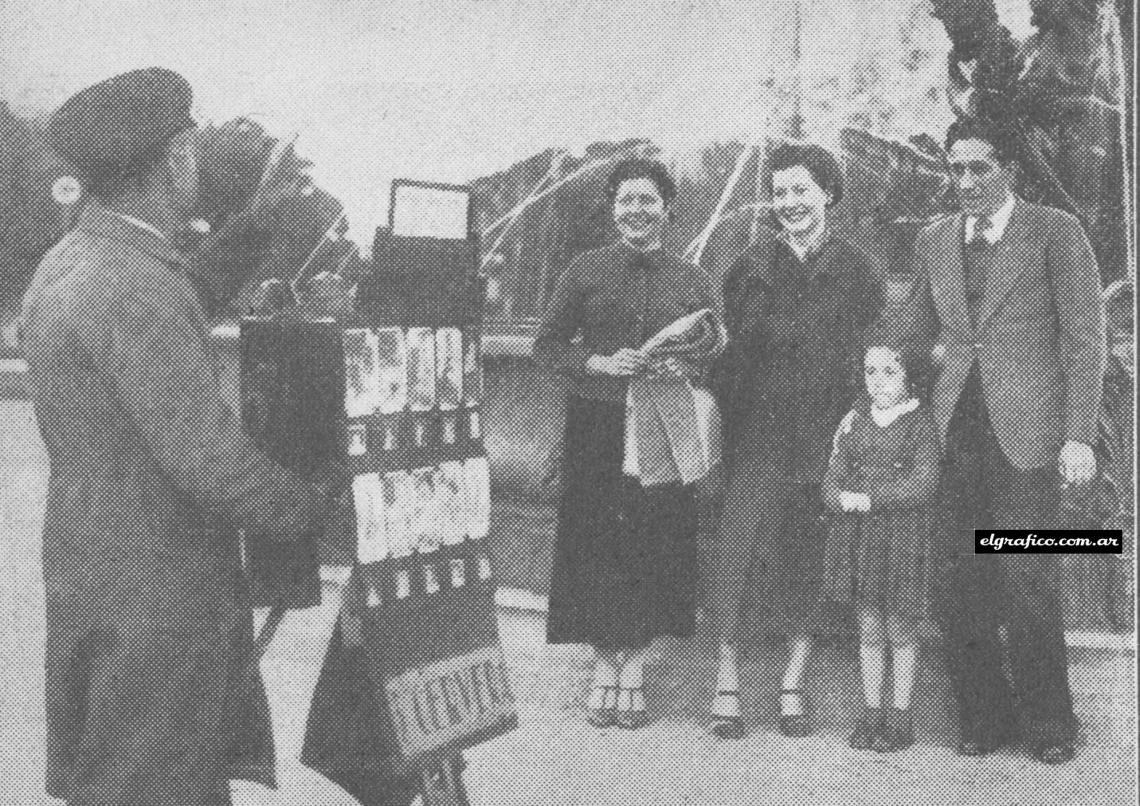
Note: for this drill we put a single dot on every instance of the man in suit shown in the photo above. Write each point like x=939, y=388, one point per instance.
x=1008, y=295
x=152, y=689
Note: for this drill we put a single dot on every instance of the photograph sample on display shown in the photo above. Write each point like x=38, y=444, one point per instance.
x=449, y=362
x=421, y=369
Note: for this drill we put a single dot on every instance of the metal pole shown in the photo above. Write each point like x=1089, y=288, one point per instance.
x=796, y=124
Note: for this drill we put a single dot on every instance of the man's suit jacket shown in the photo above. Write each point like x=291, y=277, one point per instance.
x=1039, y=339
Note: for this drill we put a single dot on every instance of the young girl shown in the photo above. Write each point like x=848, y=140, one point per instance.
x=880, y=483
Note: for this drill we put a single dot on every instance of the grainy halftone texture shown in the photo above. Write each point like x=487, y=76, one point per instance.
x=171, y=671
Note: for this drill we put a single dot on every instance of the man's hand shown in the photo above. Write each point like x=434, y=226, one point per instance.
x=623, y=363
x=1077, y=462
x=854, y=502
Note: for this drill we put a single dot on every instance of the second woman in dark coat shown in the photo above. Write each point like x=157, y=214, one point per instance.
x=795, y=306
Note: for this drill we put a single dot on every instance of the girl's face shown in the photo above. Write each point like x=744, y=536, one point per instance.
x=885, y=377
x=640, y=212
x=800, y=204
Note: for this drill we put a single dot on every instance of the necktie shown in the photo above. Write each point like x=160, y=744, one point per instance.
x=982, y=225
x=976, y=248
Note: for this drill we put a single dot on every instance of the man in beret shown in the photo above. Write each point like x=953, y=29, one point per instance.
x=153, y=694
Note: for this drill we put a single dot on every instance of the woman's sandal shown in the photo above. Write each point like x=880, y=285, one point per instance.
x=727, y=727
x=633, y=715
x=604, y=715
x=798, y=725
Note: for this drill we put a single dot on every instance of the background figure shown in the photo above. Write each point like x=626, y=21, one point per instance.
x=625, y=556
x=1008, y=294
x=153, y=692
x=881, y=481
x=795, y=305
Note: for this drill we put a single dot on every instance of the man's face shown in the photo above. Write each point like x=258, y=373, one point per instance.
x=983, y=183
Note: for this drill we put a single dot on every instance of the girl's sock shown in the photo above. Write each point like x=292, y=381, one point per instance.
x=872, y=663
x=904, y=664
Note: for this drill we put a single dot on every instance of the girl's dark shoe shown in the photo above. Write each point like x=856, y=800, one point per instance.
x=605, y=714
x=795, y=725
x=727, y=727
x=866, y=729
x=631, y=713
x=896, y=732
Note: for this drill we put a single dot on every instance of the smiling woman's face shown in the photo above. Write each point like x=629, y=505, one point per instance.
x=640, y=212
x=800, y=204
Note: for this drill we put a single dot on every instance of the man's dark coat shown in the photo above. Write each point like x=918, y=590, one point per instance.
x=150, y=699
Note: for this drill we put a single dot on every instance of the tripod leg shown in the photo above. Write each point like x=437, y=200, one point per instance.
x=443, y=784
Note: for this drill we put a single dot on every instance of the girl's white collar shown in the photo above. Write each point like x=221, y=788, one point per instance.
x=884, y=417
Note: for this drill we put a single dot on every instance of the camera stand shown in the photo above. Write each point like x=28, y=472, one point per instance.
x=442, y=783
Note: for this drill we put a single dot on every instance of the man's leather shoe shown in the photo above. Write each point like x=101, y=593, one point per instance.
x=976, y=746
x=1053, y=752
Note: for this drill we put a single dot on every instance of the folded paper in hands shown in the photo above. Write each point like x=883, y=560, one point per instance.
x=673, y=430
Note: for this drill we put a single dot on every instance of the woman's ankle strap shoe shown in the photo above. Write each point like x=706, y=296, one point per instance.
x=727, y=727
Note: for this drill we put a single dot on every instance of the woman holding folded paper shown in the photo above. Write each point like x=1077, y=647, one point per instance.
x=638, y=435
x=796, y=304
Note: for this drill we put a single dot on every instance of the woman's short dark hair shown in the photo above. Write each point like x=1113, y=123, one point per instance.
x=999, y=137
x=818, y=161
x=639, y=168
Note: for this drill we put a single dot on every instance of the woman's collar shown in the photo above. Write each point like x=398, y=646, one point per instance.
x=656, y=247
x=884, y=417
x=804, y=253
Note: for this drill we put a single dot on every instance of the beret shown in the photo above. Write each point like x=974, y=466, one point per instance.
x=110, y=127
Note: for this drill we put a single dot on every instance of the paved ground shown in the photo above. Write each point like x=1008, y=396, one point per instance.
x=555, y=758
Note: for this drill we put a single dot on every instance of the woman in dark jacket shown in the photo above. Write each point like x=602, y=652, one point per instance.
x=796, y=305
x=625, y=556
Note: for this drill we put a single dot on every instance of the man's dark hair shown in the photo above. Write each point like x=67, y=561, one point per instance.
x=639, y=168
x=818, y=161
x=1000, y=137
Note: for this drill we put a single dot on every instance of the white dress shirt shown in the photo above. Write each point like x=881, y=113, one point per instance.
x=998, y=222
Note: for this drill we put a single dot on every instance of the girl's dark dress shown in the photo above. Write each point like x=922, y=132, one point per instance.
x=881, y=558
x=625, y=556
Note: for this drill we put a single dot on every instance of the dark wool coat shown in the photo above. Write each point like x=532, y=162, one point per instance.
x=149, y=695
x=794, y=355
x=612, y=298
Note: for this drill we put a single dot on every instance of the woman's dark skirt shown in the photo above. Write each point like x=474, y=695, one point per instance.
x=625, y=557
